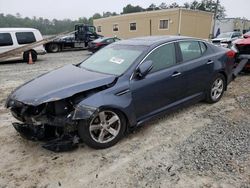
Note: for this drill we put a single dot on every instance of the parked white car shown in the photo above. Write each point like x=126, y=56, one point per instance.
x=226, y=39
x=11, y=38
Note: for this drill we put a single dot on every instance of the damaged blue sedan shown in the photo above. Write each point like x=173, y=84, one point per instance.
x=119, y=88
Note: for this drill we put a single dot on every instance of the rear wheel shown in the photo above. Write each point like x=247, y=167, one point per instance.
x=26, y=56
x=103, y=130
x=216, y=89
x=54, y=48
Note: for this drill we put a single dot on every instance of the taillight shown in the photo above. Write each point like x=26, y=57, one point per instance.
x=231, y=54
x=98, y=44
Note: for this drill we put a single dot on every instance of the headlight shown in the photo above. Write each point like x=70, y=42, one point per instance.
x=13, y=103
x=83, y=112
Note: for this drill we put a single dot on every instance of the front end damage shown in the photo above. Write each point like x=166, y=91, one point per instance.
x=242, y=49
x=56, y=122
x=51, y=106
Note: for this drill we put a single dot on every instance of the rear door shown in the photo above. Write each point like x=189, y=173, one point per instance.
x=198, y=62
x=162, y=86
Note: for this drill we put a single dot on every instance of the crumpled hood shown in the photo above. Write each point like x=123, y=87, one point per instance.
x=59, y=84
x=244, y=41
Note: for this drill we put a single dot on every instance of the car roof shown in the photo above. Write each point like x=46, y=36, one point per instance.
x=16, y=29
x=152, y=40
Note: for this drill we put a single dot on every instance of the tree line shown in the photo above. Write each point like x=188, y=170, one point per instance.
x=54, y=26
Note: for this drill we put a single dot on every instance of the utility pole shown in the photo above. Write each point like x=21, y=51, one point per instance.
x=215, y=16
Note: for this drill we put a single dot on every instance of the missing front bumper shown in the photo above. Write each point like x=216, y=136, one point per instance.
x=56, y=140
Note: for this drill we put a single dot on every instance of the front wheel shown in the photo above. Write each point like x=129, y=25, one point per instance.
x=104, y=130
x=216, y=89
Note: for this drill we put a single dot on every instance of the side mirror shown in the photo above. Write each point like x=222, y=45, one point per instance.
x=144, y=68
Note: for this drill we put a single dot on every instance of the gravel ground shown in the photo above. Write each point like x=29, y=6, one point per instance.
x=198, y=146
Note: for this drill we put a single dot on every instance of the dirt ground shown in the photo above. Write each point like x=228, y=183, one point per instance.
x=198, y=146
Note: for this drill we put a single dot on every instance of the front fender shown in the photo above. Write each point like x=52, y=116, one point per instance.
x=106, y=99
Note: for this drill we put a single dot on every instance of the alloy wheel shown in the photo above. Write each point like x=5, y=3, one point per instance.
x=217, y=89
x=105, y=127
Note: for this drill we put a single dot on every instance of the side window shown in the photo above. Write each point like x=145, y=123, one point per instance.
x=163, y=57
x=190, y=50
x=203, y=47
x=5, y=39
x=25, y=37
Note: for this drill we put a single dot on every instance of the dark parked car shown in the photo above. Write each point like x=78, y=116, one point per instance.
x=120, y=87
x=100, y=43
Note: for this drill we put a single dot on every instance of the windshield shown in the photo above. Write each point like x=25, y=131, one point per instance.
x=225, y=35
x=114, y=59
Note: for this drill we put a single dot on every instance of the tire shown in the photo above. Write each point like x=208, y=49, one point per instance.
x=216, y=89
x=96, y=132
x=26, y=56
x=54, y=48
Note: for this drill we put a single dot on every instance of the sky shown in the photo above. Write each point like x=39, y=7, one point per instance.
x=61, y=9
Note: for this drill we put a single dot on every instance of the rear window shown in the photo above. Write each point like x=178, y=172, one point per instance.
x=25, y=37
x=191, y=50
x=5, y=39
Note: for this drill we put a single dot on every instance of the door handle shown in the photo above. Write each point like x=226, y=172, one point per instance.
x=210, y=62
x=175, y=74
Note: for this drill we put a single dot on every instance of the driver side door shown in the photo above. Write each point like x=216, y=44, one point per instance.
x=162, y=86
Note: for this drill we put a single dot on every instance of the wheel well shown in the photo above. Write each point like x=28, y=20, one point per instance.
x=32, y=50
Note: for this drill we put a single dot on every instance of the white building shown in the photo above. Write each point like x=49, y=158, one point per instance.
x=231, y=24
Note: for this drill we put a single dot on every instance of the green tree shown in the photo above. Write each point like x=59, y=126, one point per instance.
x=207, y=5
x=194, y=5
x=186, y=5
x=163, y=6
x=106, y=14
x=130, y=9
x=96, y=16
x=174, y=5
x=151, y=7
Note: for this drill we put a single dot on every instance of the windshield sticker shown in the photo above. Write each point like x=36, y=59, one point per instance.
x=116, y=60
